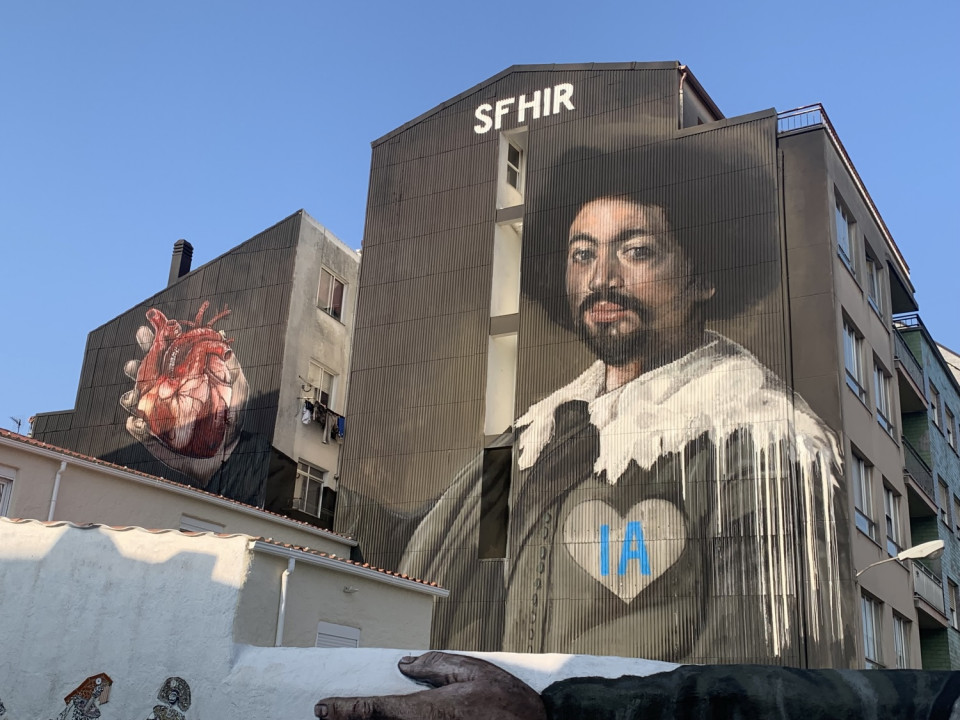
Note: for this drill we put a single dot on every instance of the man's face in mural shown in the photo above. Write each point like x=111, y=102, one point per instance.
x=629, y=283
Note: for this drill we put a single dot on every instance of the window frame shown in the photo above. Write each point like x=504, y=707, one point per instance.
x=853, y=344
x=317, y=384
x=943, y=500
x=935, y=406
x=953, y=600
x=883, y=398
x=519, y=168
x=901, y=642
x=307, y=474
x=6, y=494
x=861, y=478
x=894, y=528
x=871, y=616
x=846, y=229
x=874, y=282
x=950, y=426
x=329, y=304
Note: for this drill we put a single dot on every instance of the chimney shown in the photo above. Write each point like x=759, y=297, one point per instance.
x=180, y=263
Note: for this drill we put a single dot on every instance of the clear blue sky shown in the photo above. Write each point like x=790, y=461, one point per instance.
x=127, y=125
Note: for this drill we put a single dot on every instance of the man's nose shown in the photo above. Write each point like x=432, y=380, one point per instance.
x=606, y=271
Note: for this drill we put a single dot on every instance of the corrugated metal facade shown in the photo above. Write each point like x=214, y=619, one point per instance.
x=689, y=514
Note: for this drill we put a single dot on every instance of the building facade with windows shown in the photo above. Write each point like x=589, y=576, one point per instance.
x=233, y=378
x=933, y=467
x=624, y=376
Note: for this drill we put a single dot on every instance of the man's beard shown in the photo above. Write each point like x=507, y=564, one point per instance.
x=615, y=348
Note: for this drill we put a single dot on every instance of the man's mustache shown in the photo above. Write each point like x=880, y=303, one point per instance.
x=627, y=302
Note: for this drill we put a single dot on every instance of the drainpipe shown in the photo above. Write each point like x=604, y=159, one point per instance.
x=683, y=76
x=56, y=491
x=281, y=614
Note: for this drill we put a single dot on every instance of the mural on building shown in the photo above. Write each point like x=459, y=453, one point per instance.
x=84, y=701
x=468, y=688
x=174, y=695
x=662, y=493
x=188, y=402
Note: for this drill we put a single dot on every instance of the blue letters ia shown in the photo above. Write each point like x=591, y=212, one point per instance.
x=628, y=552
x=633, y=548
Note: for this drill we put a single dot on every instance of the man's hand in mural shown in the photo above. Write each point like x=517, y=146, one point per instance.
x=464, y=688
x=186, y=406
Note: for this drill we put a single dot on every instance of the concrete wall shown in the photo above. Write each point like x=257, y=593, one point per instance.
x=136, y=605
x=312, y=334
x=143, y=607
x=387, y=616
x=91, y=493
x=823, y=292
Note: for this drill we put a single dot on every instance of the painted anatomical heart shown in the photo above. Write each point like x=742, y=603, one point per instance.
x=187, y=406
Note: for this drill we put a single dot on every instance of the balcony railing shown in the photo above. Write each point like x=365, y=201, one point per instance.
x=903, y=353
x=917, y=468
x=928, y=586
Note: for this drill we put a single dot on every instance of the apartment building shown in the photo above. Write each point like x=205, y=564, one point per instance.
x=932, y=468
x=625, y=378
x=233, y=378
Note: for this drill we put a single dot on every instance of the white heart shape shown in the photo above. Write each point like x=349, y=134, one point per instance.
x=656, y=534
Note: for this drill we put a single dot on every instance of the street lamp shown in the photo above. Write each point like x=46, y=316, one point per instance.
x=931, y=550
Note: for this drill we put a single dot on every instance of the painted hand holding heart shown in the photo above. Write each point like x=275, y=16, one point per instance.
x=187, y=405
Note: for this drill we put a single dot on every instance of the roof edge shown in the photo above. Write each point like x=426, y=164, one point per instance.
x=14, y=440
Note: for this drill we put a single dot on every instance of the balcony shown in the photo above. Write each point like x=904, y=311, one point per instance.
x=928, y=598
x=918, y=477
x=909, y=372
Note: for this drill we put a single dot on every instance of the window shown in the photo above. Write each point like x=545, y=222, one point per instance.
x=901, y=641
x=862, y=478
x=872, y=612
x=331, y=635
x=312, y=495
x=943, y=500
x=323, y=383
x=515, y=166
x=192, y=524
x=953, y=596
x=330, y=294
x=6, y=490
x=853, y=360
x=846, y=236
x=891, y=508
x=935, y=405
x=950, y=426
x=494, y=497
x=881, y=390
x=511, y=168
x=956, y=513
x=875, y=285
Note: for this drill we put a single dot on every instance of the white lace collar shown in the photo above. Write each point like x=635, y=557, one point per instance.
x=719, y=388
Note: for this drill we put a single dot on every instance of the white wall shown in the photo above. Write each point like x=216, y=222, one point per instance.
x=144, y=606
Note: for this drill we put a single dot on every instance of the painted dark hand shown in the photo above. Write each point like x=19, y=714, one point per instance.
x=188, y=415
x=464, y=688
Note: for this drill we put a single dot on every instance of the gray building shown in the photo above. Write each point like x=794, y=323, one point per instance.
x=625, y=376
x=932, y=467
x=233, y=378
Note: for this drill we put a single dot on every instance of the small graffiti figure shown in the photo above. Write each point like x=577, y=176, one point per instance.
x=3, y=709
x=83, y=702
x=174, y=693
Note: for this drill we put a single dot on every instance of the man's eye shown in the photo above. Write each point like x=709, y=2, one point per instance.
x=582, y=255
x=638, y=252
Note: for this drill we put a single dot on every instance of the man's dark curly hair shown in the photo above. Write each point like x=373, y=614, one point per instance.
x=720, y=202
